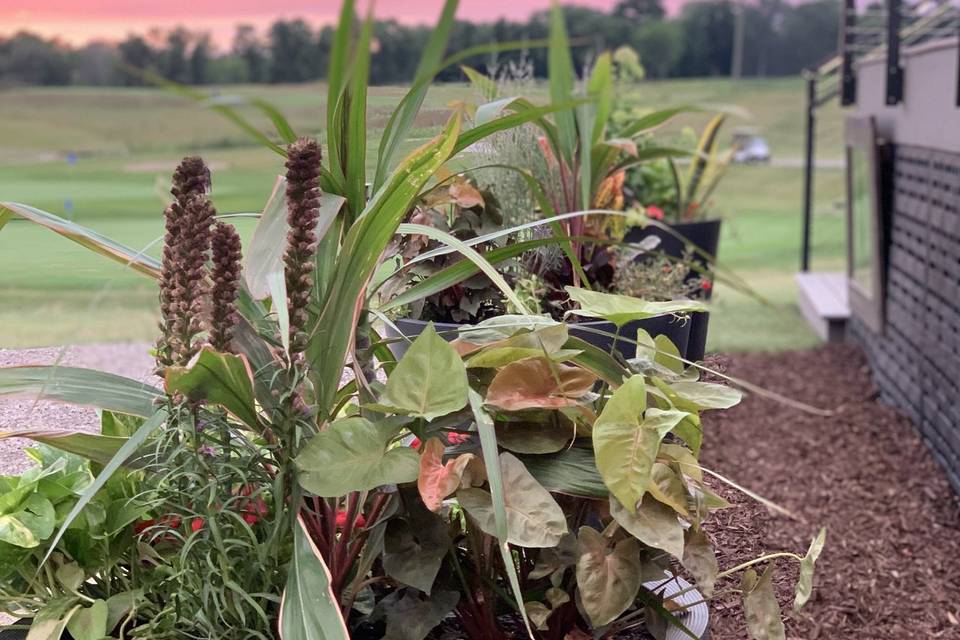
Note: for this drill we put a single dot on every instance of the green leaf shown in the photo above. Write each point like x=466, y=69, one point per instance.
x=355, y=146
x=600, y=89
x=50, y=621
x=620, y=309
x=486, y=86
x=625, y=445
x=119, y=606
x=700, y=560
x=30, y=525
x=309, y=609
x=572, y=472
x=332, y=330
x=534, y=519
x=429, y=381
x=415, y=546
x=411, y=617
x=654, y=524
x=608, y=580
x=548, y=433
x=264, y=253
x=561, y=78
x=404, y=115
x=81, y=386
x=220, y=378
x=760, y=606
x=353, y=454
x=707, y=395
x=135, y=441
x=94, y=447
x=805, y=582
x=488, y=444
x=89, y=623
x=488, y=270
x=127, y=256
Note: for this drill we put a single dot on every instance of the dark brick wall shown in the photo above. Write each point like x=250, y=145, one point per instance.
x=916, y=359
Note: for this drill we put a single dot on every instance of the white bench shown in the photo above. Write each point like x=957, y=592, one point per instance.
x=823, y=302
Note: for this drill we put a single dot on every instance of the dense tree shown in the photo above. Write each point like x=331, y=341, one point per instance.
x=782, y=38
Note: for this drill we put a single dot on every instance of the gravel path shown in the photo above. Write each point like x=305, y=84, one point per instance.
x=24, y=411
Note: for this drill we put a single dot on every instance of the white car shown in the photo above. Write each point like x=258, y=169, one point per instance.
x=750, y=149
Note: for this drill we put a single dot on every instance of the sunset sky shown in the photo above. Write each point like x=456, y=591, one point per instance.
x=77, y=21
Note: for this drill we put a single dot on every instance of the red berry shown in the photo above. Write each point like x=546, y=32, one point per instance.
x=457, y=438
x=196, y=524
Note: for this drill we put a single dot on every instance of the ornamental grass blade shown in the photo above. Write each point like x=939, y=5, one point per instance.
x=562, y=77
x=87, y=387
x=130, y=447
x=332, y=330
x=94, y=447
x=488, y=444
x=406, y=112
x=96, y=242
x=308, y=607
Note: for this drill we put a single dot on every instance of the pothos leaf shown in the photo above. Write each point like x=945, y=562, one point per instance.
x=805, y=582
x=608, y=581
x=760, y=606
x=429, y=381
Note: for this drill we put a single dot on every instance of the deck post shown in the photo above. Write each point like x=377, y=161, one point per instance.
x=808, y=169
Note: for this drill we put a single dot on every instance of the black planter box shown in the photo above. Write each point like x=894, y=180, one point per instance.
x=678, y=330
x=706, y=236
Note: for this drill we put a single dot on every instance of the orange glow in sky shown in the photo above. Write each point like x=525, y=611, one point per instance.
x=79, y=21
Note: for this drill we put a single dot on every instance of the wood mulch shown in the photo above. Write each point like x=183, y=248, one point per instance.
x=891, y=567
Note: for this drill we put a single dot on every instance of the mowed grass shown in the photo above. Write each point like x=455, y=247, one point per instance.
x=127, y=141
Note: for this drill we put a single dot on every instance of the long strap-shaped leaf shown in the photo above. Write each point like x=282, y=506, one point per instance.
x=128, y=449
x=562, y=77
x=333, y=328
x=82, y=386
x=127, y=256
x=491, y=460
x=308, y=608
x=403, y=116
x=469, y=254
x=92, y=446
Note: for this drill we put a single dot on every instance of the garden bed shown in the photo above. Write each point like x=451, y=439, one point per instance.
x=891, y=566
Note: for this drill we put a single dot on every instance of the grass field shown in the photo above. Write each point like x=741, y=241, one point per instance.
x=128, y=140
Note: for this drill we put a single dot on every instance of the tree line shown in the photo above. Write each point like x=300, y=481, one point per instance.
x=780, y=38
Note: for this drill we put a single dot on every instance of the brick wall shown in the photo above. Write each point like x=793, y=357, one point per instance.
x=916, y=360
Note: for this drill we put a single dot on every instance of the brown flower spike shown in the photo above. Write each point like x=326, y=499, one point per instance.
x=226, y=252
x=303, y=210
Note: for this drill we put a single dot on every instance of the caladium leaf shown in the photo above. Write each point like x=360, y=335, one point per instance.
x=608, y=579
x=805, y=582
x=429, y=381
x=760, y=606
x=654, y=524
x=438, y=480
x=219, y=378
x=534, y=519
x=354, y=454
x=700, y=560
x=538, y=384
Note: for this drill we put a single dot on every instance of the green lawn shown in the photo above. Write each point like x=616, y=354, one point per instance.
x=128, y=140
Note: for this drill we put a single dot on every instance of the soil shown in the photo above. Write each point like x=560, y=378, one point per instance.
x=891, y=566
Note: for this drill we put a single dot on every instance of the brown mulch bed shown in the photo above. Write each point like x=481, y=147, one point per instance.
x=891, y=567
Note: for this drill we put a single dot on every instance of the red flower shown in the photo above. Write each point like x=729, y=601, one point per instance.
x=706, y=285
x=415, y=443
x=196, y=524
x=457, y=438
x=359, y=523
x=251, y=518
x=143, y=525
x=655, y=213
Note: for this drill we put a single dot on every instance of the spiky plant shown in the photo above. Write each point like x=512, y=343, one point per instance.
x=226, y=255
x=303, y=210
